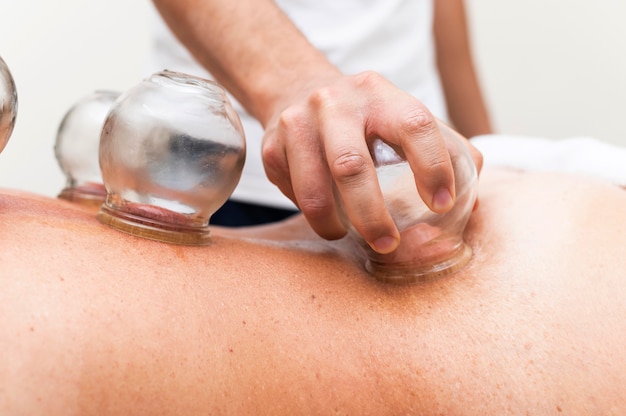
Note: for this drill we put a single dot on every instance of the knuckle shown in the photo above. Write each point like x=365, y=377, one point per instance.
x=269, y=147
x=291, y=118
x=417, y=122
x=368, y=79
x=271, y=154
x=349, y=166
x=435, y=166
x=315, y=207
x=324, y=98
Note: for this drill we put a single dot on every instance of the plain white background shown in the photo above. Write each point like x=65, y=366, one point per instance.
x=548, y=68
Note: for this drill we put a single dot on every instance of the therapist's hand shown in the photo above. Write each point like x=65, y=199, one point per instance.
x=319, y=139
x=317, y=120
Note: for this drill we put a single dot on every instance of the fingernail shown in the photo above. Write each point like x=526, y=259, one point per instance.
x=385, y=245
x=442, y=200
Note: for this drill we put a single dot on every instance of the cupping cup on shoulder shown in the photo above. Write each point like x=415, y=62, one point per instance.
x=77, y=145
x=171, y=153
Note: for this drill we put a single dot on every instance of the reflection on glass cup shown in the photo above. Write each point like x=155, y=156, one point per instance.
x=77, y=146
x=171, y=153
x=8, y=104
x=431, y=244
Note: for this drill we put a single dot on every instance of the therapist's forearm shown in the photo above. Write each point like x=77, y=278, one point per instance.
x=251, y=47
x=466, y=105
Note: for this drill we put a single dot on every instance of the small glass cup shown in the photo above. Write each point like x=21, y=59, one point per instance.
x=8, y=104
x=171, y=153
x=431, y=244
x=77, y=146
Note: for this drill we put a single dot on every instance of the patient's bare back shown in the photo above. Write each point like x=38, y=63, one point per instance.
x=272, y=320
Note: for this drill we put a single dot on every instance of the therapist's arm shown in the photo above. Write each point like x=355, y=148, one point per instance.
x=316, y=118
x=466, y=105
x=251, y=47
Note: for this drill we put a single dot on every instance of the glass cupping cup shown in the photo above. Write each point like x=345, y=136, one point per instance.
x=8, y=104
x=431, y=244
x=171, y=153
x=77, y=145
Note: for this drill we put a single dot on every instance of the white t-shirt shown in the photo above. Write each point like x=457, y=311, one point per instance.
x=391, y=37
